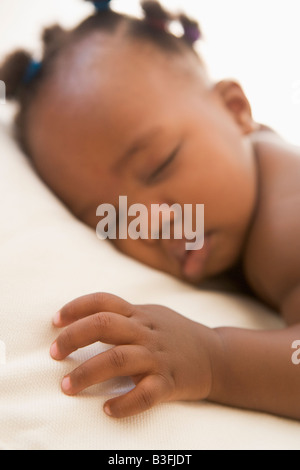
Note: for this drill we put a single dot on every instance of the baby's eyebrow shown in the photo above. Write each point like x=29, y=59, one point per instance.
x=138, y=145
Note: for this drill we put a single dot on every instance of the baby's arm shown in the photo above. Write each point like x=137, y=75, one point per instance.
x=172, y=358
x=257, y=372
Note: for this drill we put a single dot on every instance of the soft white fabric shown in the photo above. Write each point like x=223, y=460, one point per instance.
x=47, y=258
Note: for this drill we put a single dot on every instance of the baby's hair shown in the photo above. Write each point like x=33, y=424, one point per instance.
x=23, y=75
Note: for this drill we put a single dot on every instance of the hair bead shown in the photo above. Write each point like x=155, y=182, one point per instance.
x=103, y=5
x=192, y=33
x=191, y=28
x=32, y=70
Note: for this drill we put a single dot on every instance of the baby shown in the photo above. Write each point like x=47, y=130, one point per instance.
x=121, y=106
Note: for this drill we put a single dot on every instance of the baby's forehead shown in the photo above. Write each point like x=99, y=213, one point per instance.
x=109, y=58
x=99, y=91
x=93, y=76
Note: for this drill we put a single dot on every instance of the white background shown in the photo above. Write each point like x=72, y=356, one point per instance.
x=255, y=42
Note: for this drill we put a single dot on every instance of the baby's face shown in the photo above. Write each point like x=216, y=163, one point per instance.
x=132, y=121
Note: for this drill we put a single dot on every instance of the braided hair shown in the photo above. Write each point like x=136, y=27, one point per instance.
x=23, y=75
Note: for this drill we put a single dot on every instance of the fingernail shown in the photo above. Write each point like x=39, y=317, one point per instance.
x=66, y=384
x=107, y=410
x=57, y=318
x=54, y=350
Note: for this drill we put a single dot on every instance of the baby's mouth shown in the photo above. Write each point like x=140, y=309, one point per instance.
x=193, y=262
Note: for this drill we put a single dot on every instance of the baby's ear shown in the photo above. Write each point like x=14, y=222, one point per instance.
x=237, y=104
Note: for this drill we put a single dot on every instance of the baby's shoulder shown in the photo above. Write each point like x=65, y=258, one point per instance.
x=271, y=260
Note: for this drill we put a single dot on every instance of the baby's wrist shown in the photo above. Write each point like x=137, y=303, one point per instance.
x=217, y=354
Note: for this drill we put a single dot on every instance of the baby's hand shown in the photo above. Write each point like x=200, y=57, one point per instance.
x=168, y=356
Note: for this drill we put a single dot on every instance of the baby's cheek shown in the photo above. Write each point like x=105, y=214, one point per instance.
x=148, y=252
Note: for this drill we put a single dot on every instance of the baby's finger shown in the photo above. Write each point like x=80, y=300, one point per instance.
x=90, y=304
x=121, y=361
x=150, y=391
x=107, y=327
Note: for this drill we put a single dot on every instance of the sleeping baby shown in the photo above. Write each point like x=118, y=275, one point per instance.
x=122, y=106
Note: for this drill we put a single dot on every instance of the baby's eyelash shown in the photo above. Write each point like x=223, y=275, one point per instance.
x=165, y=164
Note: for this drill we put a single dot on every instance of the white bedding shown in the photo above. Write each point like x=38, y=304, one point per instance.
x=47, y=258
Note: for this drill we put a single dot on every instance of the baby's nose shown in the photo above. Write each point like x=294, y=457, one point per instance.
x=161, y=221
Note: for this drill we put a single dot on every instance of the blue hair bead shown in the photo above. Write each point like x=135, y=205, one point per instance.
x=32, y=70
x=103, y=5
